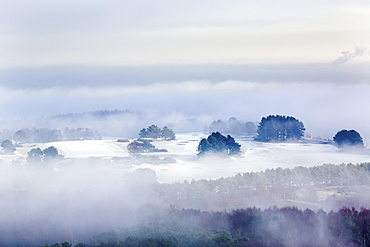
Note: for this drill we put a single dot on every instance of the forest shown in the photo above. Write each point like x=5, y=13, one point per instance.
x=288, y=226
x=223, y=212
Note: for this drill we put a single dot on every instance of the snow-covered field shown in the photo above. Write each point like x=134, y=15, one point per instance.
x=256, y=156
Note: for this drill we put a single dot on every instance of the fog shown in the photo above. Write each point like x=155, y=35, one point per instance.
x=43, y=204
x=78, y=197
x=326, y=102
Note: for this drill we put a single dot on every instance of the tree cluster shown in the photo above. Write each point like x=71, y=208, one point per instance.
x=72, y=134
x=44, y=135
x=280, y=128
x=37, y=135
x=233, y=127
x=348, y=139
x=154, y=132
x=37, y=155
x=142, y=146
x=218, y=144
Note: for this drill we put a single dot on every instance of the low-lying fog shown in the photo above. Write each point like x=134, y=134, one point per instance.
x=255, y=157
x=96, y=187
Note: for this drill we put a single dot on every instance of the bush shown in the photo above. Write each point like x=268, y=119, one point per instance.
x=123, y=140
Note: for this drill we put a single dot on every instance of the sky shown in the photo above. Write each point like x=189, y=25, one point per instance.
x=248, y=59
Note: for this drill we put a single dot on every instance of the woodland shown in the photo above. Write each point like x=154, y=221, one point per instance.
x=220, y=212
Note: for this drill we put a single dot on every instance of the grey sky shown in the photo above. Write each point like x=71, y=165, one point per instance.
x=110, y=32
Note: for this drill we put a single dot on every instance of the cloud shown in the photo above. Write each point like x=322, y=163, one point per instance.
x=75, y=76
x=325, y=108
x=359, y=51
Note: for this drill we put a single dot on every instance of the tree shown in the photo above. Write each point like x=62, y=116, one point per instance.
x=143, y=133
x=250, y=127
x=348, y=139
x=280, y=128
x=51, y=152
x=8, y=146
x=154, y=131
x=168, y=134
x=146, y=146
x=23, y=136
x=134, y=148
x=35, y=155
x=218, y=143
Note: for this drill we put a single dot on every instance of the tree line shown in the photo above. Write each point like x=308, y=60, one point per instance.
x=43, y=135
x=270, y=186
x=284, y=227
x=233, y=127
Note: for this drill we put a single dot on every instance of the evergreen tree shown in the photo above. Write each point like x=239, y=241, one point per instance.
x=147, y=146
x=279, y=128
x=167, y=134
x=154, y=131
x=143, y=133
x=218, y=143
x=346, y=139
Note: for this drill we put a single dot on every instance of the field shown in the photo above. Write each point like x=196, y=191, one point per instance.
x=256, y=156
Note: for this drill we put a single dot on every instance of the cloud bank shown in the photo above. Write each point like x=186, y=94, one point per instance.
x=325, y=108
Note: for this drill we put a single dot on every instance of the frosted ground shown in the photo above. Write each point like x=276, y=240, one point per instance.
x=255, y=156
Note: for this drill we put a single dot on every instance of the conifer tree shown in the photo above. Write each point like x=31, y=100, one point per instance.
x=280, y=128
x=218, y=144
